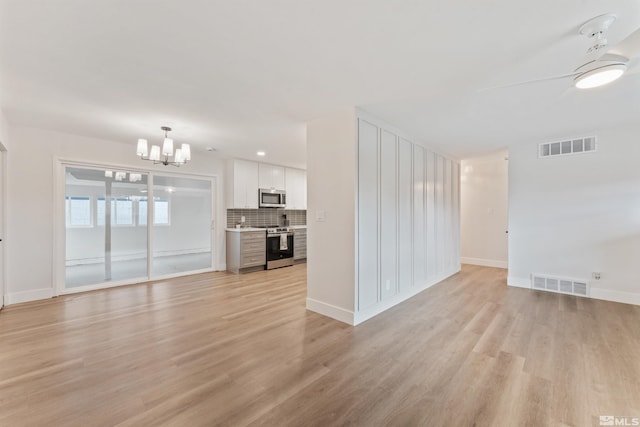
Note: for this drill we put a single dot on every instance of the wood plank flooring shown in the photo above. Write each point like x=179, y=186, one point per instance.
x=221, y=349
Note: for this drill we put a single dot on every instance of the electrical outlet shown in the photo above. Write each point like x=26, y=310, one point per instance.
x=242, y=219
x=595, y=275
x=388, y=284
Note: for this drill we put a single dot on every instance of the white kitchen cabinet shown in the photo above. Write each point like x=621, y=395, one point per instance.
x=242, y=185
x=296, y=187
x=271, y=176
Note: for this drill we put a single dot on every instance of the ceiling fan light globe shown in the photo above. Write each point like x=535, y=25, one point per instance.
x=600, y=76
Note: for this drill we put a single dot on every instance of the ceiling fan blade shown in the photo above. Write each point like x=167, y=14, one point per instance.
x=629, y=47
x=526, y=82
x=633, y=67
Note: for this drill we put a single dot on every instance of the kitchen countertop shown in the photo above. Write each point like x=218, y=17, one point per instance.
x=244, y=229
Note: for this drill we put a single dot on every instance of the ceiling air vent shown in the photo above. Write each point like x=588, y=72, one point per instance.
x=562, y=285
x=569, y=146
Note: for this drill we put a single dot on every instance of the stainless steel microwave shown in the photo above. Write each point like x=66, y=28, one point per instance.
x=269, y=198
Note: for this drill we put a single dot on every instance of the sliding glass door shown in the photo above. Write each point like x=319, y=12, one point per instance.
x=104, y=238
x=181, y=225
x=111, y=228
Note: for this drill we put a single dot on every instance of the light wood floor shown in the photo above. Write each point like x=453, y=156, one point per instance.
x=220, y=349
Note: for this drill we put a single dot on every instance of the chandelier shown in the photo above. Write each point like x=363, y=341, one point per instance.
x=157, y=156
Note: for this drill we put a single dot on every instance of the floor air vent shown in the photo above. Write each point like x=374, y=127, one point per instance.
x=560, y=285
x=570, y=146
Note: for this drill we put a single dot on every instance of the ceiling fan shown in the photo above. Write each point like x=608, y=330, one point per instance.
x=602, y=66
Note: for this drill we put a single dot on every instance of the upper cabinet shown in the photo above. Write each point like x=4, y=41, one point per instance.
x=296, y=187
x=271, y=177
x=242, y=184
x=244, y=178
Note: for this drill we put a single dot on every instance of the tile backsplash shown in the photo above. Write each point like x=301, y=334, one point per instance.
x=265, y=216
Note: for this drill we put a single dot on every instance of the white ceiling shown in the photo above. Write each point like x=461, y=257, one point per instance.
x=243, y=75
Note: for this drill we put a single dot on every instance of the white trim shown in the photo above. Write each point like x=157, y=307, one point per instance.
x=31, y=295
x=519, y=282
x=616, y=296
x=58, y=270
x=370, y=312
x=484, y=262
x=329, y=310
x=132, y=281
x=3, y=221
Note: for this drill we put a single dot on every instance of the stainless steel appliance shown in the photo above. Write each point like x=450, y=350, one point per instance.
x=279, y=247
x=270, y=198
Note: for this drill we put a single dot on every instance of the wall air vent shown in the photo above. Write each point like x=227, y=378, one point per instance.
x=569, y=146
x=560, y=285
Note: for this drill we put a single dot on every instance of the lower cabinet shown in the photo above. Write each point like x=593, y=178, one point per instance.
x=246, y=251
x=300, y=244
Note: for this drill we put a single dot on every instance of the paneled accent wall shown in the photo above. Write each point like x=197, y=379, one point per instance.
x=265, y=216
x=408, y=218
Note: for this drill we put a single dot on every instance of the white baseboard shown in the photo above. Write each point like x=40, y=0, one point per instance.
x=484, y=262
x=26, y=296
x=330, y=310
x=378, y=308
x=616, y=296
x=519, y=282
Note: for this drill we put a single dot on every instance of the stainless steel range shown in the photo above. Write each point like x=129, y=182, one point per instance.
x=279, y=247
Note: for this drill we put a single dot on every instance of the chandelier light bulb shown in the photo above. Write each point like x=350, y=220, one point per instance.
x=162, y=154
x=155, y=153
x=143, y=148
x=167, y=147
x=186, y=151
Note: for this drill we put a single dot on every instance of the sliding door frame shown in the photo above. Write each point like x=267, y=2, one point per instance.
x=59, y=238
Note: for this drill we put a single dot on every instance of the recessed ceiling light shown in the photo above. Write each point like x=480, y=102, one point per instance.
x=261, y=153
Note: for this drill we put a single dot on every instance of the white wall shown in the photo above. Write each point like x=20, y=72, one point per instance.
x=30, y=200
x=4, y=146
x=4, y=132
x=379, y=242
x=484, y=209
x=574, y=215
x=408, y=225
x=331, y=159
